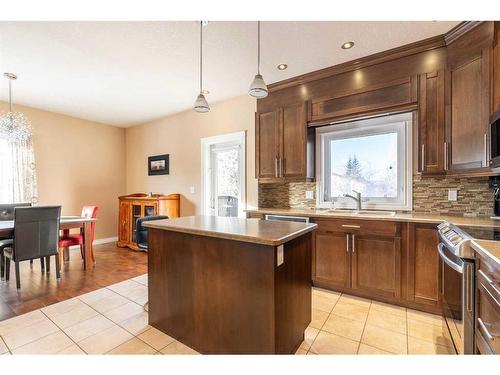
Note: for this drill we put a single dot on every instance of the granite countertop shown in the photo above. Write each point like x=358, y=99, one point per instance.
x=404, y=217
x=489, y=249
x=272, y=233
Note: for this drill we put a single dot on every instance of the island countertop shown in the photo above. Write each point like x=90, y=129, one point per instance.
x=263, y=232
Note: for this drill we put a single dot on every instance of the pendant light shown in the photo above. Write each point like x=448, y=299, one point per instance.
x=258, y=88
x=201, y=104
x=14, y=126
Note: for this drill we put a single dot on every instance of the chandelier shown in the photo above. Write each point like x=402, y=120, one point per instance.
x=14, y=126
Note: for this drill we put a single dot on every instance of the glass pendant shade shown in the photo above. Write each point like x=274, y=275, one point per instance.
x=201, y=104
x=258, y=88
x=14, y=126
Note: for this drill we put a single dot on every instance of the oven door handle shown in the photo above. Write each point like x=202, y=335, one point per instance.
x=448, y=261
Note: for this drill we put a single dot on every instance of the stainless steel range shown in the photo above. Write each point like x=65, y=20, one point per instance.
x=458, y=285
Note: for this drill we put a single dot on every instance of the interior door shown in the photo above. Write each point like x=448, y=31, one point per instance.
x=376, y=265
x=225, y=195
x=267, y=144
x=332, y=259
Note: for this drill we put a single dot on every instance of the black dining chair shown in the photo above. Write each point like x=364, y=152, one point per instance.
x=6, y=214
x=142, y=231
x=36, y=235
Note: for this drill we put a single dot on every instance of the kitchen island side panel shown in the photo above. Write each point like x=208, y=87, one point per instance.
x=214, y=295
x=293, y=294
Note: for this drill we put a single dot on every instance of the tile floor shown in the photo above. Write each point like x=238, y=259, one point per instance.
x=111, y=320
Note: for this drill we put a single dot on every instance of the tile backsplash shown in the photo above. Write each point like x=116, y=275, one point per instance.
x=430, y=195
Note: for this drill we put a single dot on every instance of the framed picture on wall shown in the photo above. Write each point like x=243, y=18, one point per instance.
x=158, y=165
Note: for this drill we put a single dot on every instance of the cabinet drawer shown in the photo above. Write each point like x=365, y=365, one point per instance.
x=359, y=225
x=488, y=314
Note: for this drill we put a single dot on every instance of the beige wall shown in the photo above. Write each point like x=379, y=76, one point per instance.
x=79, y=162
x=179, y=135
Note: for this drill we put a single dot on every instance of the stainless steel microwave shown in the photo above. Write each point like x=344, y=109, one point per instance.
x=495, y=140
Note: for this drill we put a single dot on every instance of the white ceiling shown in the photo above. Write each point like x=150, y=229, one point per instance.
x=125, y=73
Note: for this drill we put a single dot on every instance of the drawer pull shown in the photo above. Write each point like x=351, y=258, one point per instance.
x=347, y=243
x=497, y=302
x=492, y=284
x=489, y=336
x=350, y=226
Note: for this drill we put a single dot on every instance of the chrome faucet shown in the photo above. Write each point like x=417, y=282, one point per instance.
x=357, y=198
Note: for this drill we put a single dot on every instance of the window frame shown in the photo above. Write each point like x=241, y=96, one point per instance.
x=402, y=124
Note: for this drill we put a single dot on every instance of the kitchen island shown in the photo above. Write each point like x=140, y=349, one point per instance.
x=229, y=285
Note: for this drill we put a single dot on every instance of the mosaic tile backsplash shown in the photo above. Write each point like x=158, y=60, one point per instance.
x=430, y=195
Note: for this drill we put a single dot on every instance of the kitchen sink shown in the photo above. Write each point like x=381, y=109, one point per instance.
x=346, y=211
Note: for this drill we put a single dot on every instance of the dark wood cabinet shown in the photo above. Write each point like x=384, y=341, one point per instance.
x=282, y=151
x=468, y=96
x=267, y=144
x=423, y=267
x=332, y=258
x=376, y=265
x=362, y=257
x=432, y=149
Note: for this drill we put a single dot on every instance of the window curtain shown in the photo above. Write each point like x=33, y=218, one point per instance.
x=17, y=171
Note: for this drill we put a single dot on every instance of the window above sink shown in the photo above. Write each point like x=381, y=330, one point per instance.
x=372, y=156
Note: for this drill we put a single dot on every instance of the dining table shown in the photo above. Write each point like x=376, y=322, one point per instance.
x=66, y=222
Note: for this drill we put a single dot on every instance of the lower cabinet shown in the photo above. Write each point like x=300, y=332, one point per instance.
x=362, y=257
x=332, y=259
x=424, y=267
x=387, y=261
x=376, y=265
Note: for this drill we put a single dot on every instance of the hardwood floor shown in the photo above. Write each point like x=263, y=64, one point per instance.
x=113, y=264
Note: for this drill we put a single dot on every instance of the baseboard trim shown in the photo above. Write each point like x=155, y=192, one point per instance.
x=100, y=241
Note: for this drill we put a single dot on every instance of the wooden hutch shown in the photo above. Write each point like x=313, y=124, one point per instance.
x=134, y=206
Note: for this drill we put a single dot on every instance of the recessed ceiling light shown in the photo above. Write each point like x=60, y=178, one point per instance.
x=205, y=92
x=282, y=66
x=347, y=45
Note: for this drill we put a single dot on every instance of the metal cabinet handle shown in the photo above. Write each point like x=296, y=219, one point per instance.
x=485, y=150
x=276, y=167
x=423, y=158
x=350, y=226
x=445, y=156
x=491, y=282
x=347, y=243
x=281, y=167
x=470, y=285
x=352, y=243
x=485, y=330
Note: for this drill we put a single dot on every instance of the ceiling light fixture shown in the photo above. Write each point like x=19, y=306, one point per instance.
x=258, y=88
x=347, y=45
x=201, y=104
x=282, y=66
x=14, y=126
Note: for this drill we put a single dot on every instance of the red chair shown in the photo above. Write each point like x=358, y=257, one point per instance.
x=67, y=240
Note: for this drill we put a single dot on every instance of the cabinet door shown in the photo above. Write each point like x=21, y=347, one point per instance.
x=431, y=123
x=124, y=222
x=376, y=265
x=267, y=144
x=468, y=86
x=423, y=265
x=331, y=267
x=294, y=138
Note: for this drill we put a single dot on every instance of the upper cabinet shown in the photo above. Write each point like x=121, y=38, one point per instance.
x=369, y=99
x=431, y=123
x=469, y=99
x=282, y=142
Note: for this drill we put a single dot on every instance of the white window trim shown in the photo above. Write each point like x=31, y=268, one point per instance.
x=372, y=126
x=206, y=143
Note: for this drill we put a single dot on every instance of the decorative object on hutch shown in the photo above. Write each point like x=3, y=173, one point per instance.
x=158, y=165
x=135, y=206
